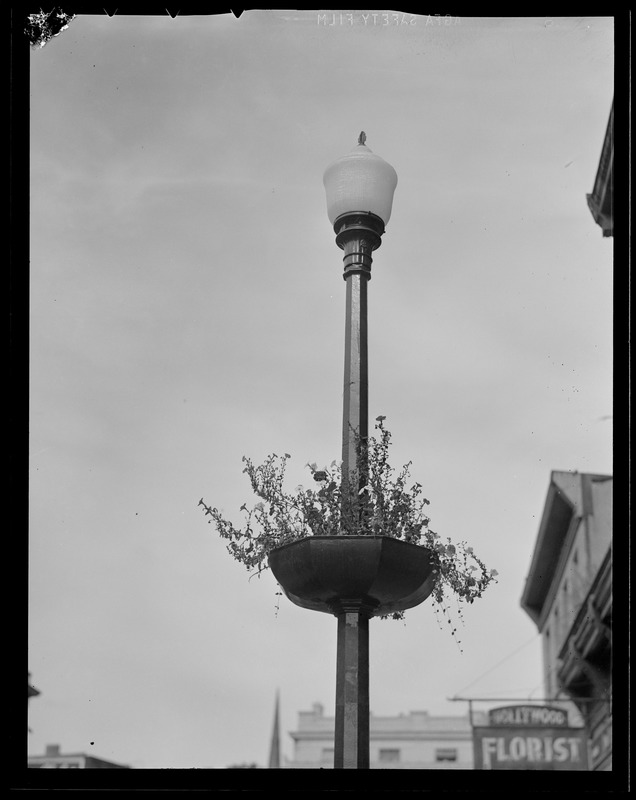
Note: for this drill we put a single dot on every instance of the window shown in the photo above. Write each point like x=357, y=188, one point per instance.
x=328, y=754
x=389, y=755
x=446, y=754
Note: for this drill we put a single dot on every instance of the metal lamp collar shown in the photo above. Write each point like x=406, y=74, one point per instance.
x=358, y=233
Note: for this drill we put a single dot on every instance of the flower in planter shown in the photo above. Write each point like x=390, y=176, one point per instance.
x=382, y=504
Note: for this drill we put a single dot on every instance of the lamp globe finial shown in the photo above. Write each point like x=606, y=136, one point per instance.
x=362, y=138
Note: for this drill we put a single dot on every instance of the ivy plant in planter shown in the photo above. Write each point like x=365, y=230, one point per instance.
x=382, y=503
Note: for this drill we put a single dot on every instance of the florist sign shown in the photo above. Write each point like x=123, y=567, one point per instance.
x=529, y=737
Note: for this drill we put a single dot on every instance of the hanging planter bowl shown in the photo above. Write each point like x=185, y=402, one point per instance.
x=383, y=574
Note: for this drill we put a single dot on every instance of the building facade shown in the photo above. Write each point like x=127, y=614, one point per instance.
x=568, y=595
x=415, y=740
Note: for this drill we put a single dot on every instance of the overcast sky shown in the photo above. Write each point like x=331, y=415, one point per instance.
x=187, y=308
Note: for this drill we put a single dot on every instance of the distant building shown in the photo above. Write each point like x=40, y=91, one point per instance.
x=33, y=692
x=568, y=595
x=601, y=199
x=416, y=740
x=53, y=759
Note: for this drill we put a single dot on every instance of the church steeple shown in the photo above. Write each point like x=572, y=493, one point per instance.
x=274, y=748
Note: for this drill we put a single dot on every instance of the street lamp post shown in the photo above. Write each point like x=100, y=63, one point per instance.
x=349, y=575
x=359, y=189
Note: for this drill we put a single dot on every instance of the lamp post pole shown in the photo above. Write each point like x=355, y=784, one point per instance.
x=358, y=235
x=356, y=182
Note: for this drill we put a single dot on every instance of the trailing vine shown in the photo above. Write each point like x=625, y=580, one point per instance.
x=382, y=503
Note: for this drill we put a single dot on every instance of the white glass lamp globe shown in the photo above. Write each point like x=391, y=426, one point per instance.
x=360, y=181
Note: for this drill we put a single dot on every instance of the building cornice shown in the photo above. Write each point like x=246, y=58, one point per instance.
x=567, y=503
x=600, y=200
